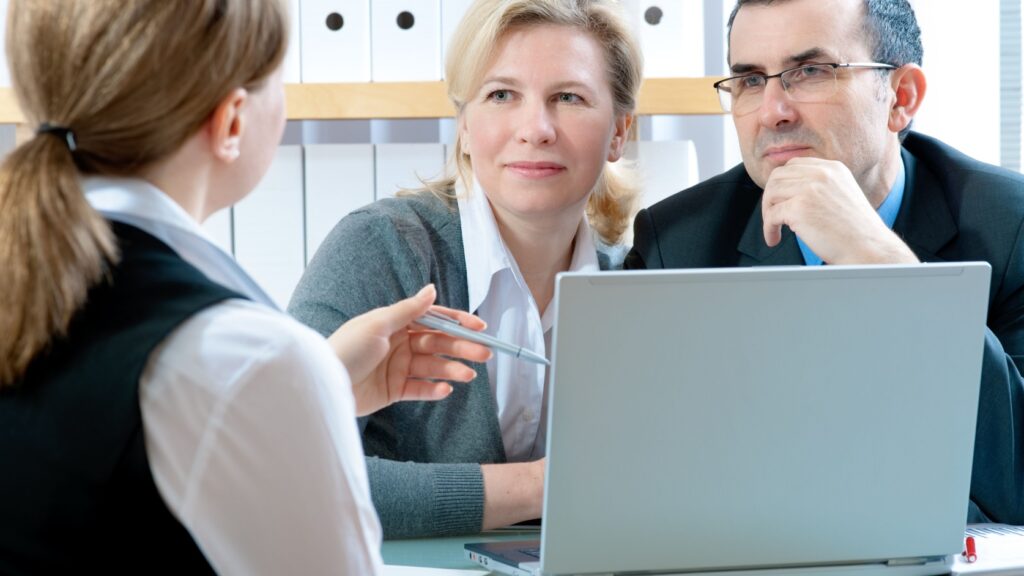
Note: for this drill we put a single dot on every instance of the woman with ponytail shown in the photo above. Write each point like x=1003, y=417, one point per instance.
x=157, y=413
x=544, y=92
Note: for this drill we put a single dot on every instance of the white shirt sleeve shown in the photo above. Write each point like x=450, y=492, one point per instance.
x=252, y=441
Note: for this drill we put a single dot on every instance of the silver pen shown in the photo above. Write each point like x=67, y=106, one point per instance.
x=451, y=326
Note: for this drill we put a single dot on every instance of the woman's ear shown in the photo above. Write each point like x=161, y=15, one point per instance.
x=227, y=124
x=623, y=123
x=463, y=130
x=909, y=85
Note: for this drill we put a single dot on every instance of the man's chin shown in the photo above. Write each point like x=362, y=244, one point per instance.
x=759, y=174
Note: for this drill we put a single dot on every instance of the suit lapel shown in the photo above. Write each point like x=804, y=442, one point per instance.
x=924, y=222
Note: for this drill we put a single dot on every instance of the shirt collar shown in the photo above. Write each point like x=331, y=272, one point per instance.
x=136, y=199
x=890, y=207
x=138, y=203
x=485, y=251
x=888, y=211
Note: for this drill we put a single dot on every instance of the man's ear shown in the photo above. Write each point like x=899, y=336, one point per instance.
x=623, y=122
x=227, y=124
x=909, y=85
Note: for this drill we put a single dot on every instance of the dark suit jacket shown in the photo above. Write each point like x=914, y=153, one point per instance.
x=954, y=209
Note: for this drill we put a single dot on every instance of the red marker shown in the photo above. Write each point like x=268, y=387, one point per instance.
x=970, y=553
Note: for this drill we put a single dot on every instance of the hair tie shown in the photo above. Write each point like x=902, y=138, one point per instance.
x=62, y=132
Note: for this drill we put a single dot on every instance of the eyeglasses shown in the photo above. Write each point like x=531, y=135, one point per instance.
x=808, y=83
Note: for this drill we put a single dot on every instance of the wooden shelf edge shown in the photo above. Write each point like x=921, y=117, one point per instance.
x=683, y=96
x=369, y=100
x=396, y=100
x=10, y=113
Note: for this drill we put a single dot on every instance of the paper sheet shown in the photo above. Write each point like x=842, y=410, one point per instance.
x=1000, y=549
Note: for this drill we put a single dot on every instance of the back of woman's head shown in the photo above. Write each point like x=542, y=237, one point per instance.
x=130, y=81
x=475, y=42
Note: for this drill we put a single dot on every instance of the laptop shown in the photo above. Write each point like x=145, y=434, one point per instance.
x=785, y=420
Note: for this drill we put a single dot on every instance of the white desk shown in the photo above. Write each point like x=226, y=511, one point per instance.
x=1000, y=552
x=442, y=556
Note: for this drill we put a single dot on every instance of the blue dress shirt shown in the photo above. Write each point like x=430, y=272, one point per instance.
x=889, y=209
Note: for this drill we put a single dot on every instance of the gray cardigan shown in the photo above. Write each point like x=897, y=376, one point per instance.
x=423, y=458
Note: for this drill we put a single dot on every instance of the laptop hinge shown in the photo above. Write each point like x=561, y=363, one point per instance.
x=911, y=561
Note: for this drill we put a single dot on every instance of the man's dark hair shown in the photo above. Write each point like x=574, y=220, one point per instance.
x=890, y=28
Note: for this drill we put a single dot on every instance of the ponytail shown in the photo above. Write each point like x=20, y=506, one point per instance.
x=53, y=248
x=135, y=79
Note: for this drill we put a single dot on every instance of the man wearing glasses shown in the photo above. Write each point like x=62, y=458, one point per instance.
x=822, y=94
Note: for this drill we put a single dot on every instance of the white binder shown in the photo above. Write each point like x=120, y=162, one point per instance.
x=671, y=34
x=339, y=179
x=293, y=58
x=269, y=236
x=731, y=153
x=406, y=45
x=402, y=166
x=665, y=167
x=335, y=41
x=218, y=228
x=5, y=73
x=452, y=12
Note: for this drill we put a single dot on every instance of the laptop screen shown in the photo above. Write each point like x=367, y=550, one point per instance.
x=769, y=417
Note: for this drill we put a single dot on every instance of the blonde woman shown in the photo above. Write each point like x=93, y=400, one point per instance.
x=156, y=412
x=545, y=91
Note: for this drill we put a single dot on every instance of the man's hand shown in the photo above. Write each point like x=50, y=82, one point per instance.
x=822, y=203
x=390, y=358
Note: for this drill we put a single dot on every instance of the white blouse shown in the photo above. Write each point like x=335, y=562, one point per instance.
x=499, y=295
x=249, y=419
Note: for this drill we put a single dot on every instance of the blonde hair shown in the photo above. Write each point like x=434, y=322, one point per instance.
x=473, y=45
x=133, y=80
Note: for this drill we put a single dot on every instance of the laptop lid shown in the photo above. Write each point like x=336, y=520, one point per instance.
x=731, y=419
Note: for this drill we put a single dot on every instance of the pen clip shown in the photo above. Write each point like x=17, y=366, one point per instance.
x=441, y=316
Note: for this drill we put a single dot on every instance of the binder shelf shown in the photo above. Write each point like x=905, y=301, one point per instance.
x=428, y=100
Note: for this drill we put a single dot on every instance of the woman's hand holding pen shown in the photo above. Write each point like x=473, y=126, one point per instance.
x=390, y=358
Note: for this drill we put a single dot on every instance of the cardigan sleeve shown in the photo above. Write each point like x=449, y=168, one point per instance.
x=374, y=258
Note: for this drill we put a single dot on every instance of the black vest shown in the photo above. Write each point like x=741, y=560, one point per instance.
x=76, y=492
